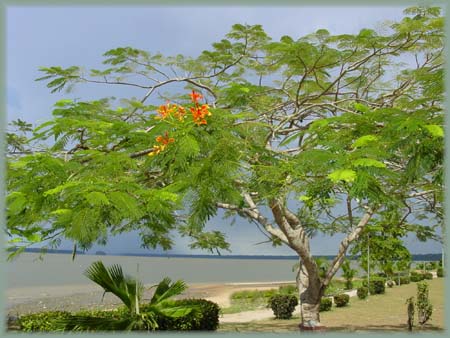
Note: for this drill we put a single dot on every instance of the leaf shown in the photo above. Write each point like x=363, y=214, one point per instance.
x=16, y=202
x=346, y=175
x=97, y=198
x=125, y=204
x=368, y=162
x=435, y=130
x=362, y=108
x=61, y=212
x=364, y=140
x=63, y=103
x=61, y=187
x=304, y=198
x=176, y=311
x=34, y=238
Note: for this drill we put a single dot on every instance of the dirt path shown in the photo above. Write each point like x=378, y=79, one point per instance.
x=248, y=316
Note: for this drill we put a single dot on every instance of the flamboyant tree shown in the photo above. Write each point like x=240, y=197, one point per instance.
x=327, y=133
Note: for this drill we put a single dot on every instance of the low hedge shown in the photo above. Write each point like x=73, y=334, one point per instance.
x=42, y=321
x=50, y=320
x=205, y=316
x=325, y=304
x=403, y=280
x=420, y=276
x=440, y=272
x=283, y=305
x=362, y=292
x=341, y=300
x=428, y=275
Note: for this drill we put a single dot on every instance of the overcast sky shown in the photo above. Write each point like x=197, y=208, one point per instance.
x=66, y=36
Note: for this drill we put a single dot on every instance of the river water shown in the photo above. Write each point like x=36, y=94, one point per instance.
x=59, y=269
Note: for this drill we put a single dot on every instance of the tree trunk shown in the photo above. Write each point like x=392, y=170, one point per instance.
x=310, y=292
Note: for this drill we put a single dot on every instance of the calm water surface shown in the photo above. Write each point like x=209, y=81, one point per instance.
x=59, y=269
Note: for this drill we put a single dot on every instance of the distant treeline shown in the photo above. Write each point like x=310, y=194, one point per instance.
x=415, y=257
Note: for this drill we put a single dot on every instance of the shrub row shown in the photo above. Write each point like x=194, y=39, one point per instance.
x=204, y=317
x=403, y=280
x=420, y=276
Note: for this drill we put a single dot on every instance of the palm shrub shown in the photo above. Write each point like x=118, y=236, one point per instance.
x=129, y=291
x=348, y=273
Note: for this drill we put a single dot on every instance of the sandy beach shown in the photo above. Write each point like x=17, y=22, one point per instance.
x=77, y=297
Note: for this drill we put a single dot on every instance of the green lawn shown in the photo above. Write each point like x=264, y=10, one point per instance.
x=378, y=312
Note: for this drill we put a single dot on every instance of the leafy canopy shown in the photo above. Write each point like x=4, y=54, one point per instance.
x=334, y=124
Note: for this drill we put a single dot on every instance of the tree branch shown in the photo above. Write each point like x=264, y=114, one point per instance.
x=337, y=261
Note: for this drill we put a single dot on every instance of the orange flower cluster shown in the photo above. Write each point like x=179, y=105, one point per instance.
x=199, y=112
x=171, y=110
x=163, y=141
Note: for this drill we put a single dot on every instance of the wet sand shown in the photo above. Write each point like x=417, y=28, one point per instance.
x=77, y=297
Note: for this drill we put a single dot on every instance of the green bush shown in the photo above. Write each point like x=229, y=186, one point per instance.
x=362, y=292
x=440, y=271
x=424, y=307
x=404, y=280
x=341, y=300
x=376, y=285
x=325, y=304
x=417, y=276
x=42, y=321
x=283, y=305
x=427, y=275
x=205, y=316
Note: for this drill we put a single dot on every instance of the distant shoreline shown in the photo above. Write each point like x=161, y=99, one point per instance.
x=415, y=257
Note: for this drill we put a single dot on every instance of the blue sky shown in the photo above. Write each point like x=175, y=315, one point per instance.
x=65, y=36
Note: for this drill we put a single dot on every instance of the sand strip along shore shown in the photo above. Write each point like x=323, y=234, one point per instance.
x=90, y=296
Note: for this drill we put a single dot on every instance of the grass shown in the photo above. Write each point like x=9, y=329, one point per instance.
x=250, y=300
x=378, y=312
